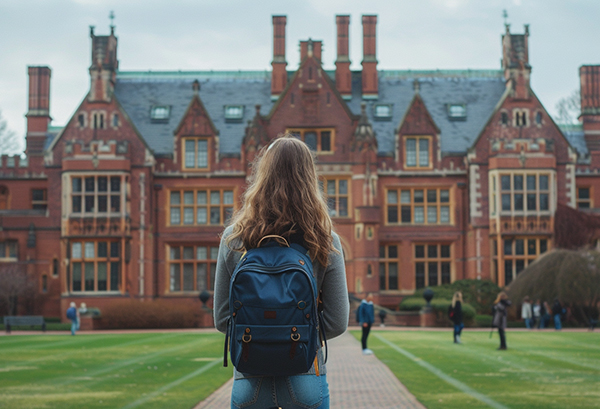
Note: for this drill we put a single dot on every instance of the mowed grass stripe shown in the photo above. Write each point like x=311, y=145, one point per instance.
x=51, y=344
x=172, y=385
x=114, y=366
x=101, y=338
x=437, y=372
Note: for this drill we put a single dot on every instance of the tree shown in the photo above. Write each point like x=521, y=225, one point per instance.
x=9, y=144
x=568, y=109
x=572, y=276
x=16, y=287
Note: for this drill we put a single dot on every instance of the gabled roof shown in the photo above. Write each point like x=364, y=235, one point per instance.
x=415, y=105
x=479, y=90
x=139, y=91
x=576, y=137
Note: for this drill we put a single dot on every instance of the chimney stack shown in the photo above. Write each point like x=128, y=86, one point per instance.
x=38, y=114
x=369, y=72
x=589, y=77
x=103, y=70
x=279, y=74
x=343, y=77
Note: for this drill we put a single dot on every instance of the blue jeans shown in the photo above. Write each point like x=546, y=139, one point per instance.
x=458, y=329
x=289, y=392
x=74, y=326
x=557, y=323
x=528, y=323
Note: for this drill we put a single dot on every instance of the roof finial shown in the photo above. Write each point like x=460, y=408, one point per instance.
x=526, y=29
x=505, y=15
x=92, y=31
x=111, y=16
x=309, y=50
x=416, y=86
x=196, y=87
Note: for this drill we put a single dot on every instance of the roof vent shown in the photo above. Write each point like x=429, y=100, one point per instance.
x=234, y=113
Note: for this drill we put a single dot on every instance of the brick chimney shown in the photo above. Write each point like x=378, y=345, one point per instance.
x=343, y=76
x=589, y=77
x=515, y=62
x=370, y=80
x=38, y=113
x=310, y=47
x=279, y=74
x=103, y=70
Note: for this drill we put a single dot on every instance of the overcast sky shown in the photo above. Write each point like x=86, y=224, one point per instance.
x=237, y=34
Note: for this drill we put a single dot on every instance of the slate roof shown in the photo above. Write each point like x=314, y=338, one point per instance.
x=479, y=90
x=575, y=136
x=138, y=92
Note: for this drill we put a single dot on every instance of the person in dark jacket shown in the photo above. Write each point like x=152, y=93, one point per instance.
x=500, y=305
x=456, y=315
x=366, y=318
x=557, y=312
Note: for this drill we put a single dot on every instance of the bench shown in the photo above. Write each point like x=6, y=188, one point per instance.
x=25, y=320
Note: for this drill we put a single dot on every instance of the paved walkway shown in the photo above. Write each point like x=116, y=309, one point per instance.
x=356, y=381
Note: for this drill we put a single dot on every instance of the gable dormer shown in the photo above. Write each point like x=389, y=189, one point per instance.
x=417, y=138
x=196, y=137
x=312, y=108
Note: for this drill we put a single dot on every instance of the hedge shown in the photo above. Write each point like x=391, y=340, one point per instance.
x=440, y=307
x=134, y=314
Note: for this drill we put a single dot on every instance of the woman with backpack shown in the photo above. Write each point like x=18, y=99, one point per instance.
x=284, y=199
x=456, y=315
x=500, y=305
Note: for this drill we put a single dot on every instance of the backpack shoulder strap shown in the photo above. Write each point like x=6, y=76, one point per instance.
x=274, y=236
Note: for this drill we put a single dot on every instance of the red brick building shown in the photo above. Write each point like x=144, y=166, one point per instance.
x=431, y=176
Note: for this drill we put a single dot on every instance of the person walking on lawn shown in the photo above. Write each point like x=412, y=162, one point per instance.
x=456, y=315
x=500, y=305
x=526, y=312
x=366, y=318
x=557, y=312
x=73, y=315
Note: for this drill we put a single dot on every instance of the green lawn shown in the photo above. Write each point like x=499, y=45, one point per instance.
x=171, y=370
x=539, y=369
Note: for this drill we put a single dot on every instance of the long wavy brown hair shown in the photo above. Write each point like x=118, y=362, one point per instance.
x=283, y=198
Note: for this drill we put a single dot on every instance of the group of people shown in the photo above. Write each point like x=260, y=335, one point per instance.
x=540, y=314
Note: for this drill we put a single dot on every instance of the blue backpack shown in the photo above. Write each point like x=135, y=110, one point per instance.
x=273, y=326
x=71, y=313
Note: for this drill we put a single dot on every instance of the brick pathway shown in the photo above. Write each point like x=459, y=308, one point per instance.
x=355, y=381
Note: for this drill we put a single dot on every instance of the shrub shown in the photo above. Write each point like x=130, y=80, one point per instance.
x=440, y=307
x=480, y=294
x=483, y=321
x=133, y=314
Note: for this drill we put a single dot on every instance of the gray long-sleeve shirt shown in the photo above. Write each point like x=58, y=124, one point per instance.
x=331, y=279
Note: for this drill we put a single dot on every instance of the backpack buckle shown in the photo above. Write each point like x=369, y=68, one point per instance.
x=247, y=338
x=295, y=337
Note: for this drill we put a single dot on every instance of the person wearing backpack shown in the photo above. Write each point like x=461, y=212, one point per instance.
x=456, y=316
x=283, y=215
x=73, y=315
x=366, y=318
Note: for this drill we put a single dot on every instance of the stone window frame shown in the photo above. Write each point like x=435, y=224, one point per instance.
x=196, y=154
x=589, y=200
x=186, y=258
x=191, y=209
x=442, y=259
x=9, y=251
x=401, y=204
x=418, y=153
x=37, y=202
x=512, y=193
x=336, y=198
x=520, y=255
x=300, y=133
x=109, y=193
x=85, y=258
x=387, y=259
